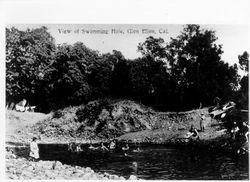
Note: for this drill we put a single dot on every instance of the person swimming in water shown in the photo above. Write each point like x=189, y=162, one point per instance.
x=137, y=150
x=78, y=148
x=125, y=148
x=112, y=145
x=104, y=148
x=91, y=147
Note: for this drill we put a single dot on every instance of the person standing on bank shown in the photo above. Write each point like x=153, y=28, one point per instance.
x=34, y=150
x=202, y=123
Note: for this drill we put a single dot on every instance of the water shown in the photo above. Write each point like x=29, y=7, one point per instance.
x=154, y=162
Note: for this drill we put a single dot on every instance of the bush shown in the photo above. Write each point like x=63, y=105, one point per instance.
x=57, y=114
x=91, y=111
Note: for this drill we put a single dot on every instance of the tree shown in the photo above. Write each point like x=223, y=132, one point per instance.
x=120, y=74
x=28, y=57
x=244, y=61
x=101, y=75
x=243, y=92
x=71, y=69
x=153, y=47
x=177, y=75
x=196, y=65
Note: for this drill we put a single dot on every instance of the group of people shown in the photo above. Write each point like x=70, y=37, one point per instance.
x=74, y=147
x=240, y=128
x=21, y=106
x=112, y=146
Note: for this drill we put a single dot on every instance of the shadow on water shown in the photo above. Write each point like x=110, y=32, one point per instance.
x=152, y=162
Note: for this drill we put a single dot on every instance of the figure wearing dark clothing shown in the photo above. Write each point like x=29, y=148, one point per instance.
x=194, y=132
x=234, y=130
x=202, y=123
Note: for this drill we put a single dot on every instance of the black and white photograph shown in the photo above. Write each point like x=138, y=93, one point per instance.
x=129, y=101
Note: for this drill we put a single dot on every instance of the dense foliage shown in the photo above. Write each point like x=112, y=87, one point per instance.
x=243, y=92
x=176, y=75
x=29, y=56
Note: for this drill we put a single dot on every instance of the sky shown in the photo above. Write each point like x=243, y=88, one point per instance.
x=125, y=37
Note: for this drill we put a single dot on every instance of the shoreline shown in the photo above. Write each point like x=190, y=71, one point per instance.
x=19, y=168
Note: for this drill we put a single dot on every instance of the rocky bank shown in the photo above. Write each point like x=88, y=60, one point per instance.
x=22, y=169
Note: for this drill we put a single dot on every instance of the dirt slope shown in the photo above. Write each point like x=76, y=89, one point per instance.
x=96, y=121
x=17, y=124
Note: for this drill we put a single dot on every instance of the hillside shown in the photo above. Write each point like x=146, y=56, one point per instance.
x=18, y=125
x=102, y=120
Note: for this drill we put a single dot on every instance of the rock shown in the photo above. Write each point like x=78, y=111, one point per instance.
x=11, y=169
x=11, y=156
x=94, y=177
x=68, y=172
x=112, y=177
x=87, y=176
x=22, y=169
x=27, y=173
x=77, y=167
x=132, y=177
x=14, y=177
x=59, y=178
x=122, y=178
x=88, y=169
x=78, y=171
x=47, y=165
x=30, y=168
x=106, y=174
x=117, y=177
x=19, y=159
x=23, y=166
x=48, y=172
x=100, y=175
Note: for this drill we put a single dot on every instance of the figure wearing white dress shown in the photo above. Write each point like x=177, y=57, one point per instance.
x=34, y=150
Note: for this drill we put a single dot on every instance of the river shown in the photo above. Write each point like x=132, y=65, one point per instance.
x=153, y=162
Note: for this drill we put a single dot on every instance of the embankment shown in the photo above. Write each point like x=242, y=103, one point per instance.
x=97, y=121
x=103, y=120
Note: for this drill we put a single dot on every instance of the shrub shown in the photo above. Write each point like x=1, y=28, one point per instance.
x=91, y=111
x=57, y=114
